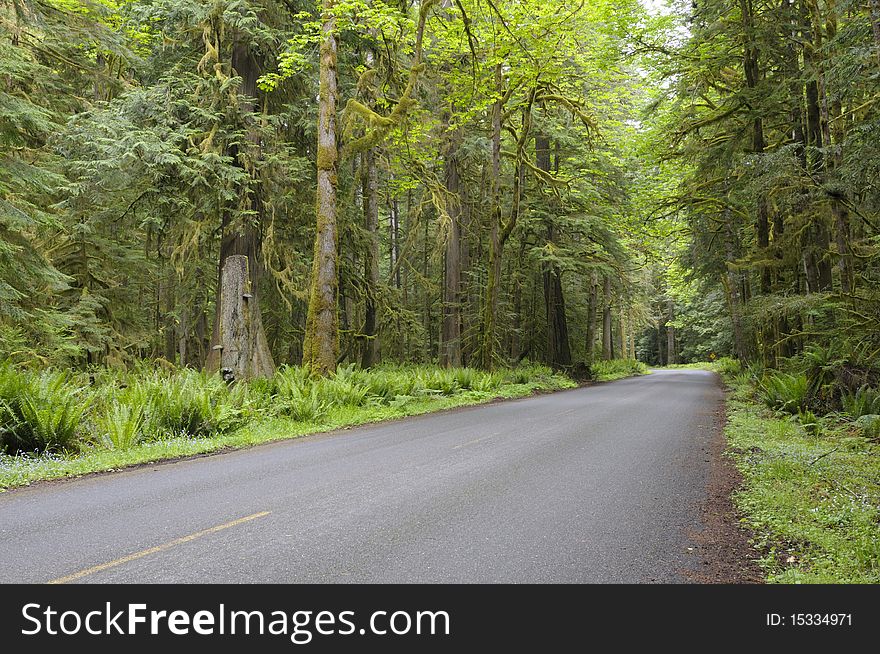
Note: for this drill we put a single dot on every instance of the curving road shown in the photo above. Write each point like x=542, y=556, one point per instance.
x=597, y=484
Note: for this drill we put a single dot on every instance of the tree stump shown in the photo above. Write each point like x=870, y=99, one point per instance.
x=243, y=350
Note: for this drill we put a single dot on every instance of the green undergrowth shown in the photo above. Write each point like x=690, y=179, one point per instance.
x=811, y=492
x=617, y=369
x=55, y=425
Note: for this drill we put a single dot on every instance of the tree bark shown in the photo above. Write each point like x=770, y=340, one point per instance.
x=671, y=357
x=321, y=343
x=244, y=240
x=751, y=67
x=607, y=340
x=240, y=350
x=558, y=349
x=875, y=23
x=493, y=281
x=370, y=346
x=732, y=283
x=818, y=238
x=839, y=211
x=592, y=313
x=450, y=333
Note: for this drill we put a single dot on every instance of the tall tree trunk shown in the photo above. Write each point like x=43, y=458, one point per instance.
x=558, y=348
x=660, y=325
x=819, y=240
x=751, y=67
x=592, y=313
x=671, y=357
x=732, y=283
x=875, y=23
x=469, y=295
x=607, y=340
x=242, y=240
x=450, y=333
x=321, y=343
x=370, y=347
x=394, y=241
x=493, y=281
x=839, y=211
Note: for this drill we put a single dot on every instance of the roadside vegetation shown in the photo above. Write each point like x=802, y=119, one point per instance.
x=617, y=369
x=56, y=424
x=807, y=441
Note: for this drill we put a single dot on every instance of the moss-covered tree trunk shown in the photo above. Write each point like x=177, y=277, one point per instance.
x=370, y=349
x=493, y=281
x=321, y=343
x=450, y=331
x=817, y=238
x=607, y=338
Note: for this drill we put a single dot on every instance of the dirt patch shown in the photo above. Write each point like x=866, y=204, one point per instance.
x=726, y=557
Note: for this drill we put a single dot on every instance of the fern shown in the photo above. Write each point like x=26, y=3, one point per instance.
x=865, y=401
x=785, y=392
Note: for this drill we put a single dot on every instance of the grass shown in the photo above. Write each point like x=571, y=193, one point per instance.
x=811, y=491
x=147, y=416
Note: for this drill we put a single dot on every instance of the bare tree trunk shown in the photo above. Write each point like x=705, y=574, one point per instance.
x=321, y=344
x=370, y=351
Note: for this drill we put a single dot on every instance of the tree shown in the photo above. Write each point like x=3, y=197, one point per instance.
x=321, y=346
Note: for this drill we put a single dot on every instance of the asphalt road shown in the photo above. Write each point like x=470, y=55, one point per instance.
x=598, y=484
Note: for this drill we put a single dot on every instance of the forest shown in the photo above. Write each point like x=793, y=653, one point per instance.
x=469, y=184
x=238, y=187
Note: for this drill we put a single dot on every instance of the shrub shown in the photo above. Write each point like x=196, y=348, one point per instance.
x=865, y=401
x=306, y=406
x=383, y=385
x=120, y=427
x=810, y=422
x=439, y=380
x=340, y=391
x=616, y=369
x=465, y=378
x=486, y=382
x=785, y=392
x=728, y=366
x=743, y=379
x=869, y=425
x=527, y=372
x=189, y=403
x=14, y=385
x=40, y=413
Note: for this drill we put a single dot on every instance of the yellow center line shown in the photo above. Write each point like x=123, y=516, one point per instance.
x=154, y=550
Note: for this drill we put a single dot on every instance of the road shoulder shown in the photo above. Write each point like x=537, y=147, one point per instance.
x=723, y=545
